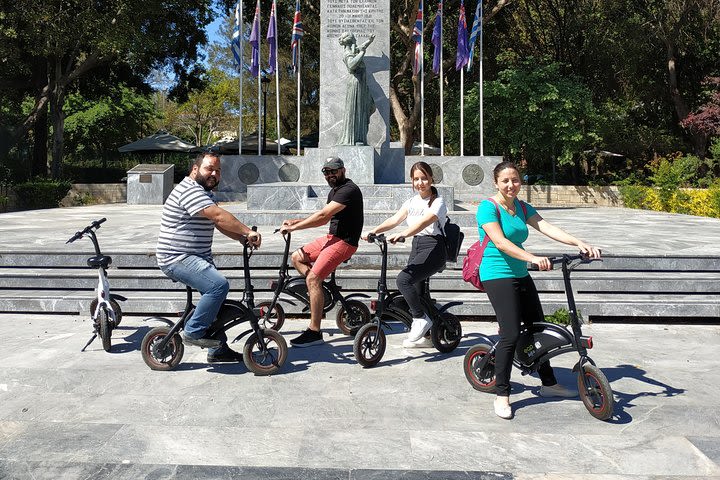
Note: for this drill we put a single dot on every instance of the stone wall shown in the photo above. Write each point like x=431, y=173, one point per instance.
x=571, y=196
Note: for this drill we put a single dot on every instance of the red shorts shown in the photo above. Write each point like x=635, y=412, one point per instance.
x=326, y=253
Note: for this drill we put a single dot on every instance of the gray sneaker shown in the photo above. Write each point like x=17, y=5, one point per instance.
x=199, y=342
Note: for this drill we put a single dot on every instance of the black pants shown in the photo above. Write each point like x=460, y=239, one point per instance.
x=516, y=302
x=426, y=258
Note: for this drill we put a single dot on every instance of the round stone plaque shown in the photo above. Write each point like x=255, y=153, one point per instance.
x=437, y=173
x=248, y=173
x=289, y=173
x=473, y=174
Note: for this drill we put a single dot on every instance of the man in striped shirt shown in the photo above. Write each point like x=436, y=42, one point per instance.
x=189, y=218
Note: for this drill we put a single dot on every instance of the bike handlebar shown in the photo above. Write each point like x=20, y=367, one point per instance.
x=95, y=224
x=380, y=237
x=566, y=259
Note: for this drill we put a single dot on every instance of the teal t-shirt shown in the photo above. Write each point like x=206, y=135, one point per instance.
x=496, y=264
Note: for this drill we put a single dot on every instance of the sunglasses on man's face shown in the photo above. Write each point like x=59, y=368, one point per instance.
x=329, y=171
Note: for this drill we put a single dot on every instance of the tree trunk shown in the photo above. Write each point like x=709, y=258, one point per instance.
x=698, y=139
x=39, y=165
x=57, y=118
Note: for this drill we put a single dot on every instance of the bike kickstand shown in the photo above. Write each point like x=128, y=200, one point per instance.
x=89, y=342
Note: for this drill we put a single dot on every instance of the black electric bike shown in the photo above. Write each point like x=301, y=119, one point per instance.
x=370, y=342
x=544, y=341
x=105, y=311
x=264, y=353
x=350, y=317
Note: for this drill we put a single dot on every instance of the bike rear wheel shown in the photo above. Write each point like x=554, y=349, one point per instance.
x=273, y=319
x=272, y=359
x=369, y=344
x=350, y=321
x=447, y=333
x=598, y=396
x=481, y=377
x=166, y=359
x=104, y=328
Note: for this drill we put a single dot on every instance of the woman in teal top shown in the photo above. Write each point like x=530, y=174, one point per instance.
x=504, y=275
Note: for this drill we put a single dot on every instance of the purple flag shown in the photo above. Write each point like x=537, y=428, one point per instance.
x=297, y=34
x=437, y=40
x=462, y=50
x=272, y=40
x=255, y=42
x=417, y=38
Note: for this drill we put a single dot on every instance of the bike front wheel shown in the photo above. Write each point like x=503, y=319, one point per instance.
x=113, y=304
x=157, y=358
x=268, y=360
x=596, y=394
x=271, y=318
x=104, y=329
x=349, y=321
x=447, y=333
x=369, y=344
x=480, y=373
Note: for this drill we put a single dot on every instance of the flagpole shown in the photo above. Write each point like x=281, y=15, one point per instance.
x=277, y=82
x=442, y=98
x=480, y=65
x=422, y=84
x=259, y=86
x=462, y=112
x=240, y=23
x=298, y=99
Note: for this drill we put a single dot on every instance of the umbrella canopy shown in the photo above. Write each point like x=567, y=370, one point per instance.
x=229, y=146
x=159, y=142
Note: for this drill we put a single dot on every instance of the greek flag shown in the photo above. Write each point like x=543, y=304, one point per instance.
x=297, y=34
x=417, y=38
x=235, y=43
x=474, y=32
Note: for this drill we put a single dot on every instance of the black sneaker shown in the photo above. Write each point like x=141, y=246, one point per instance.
x=225, y=355
x=307, y=339
x=199, y=342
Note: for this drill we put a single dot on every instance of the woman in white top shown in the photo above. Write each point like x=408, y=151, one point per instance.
x=425, y=212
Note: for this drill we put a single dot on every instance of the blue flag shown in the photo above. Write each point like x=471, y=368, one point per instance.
x=461, y=59
x=417, y=38
x=297, y=34
x=235, y=43
x=272, y=40
x=437, y=39
x=474, y=32
x=255, y=42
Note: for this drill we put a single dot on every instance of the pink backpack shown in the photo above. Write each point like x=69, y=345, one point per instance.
x=473, y=258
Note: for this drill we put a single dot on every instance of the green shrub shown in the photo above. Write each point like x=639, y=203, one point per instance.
x=41, y=193
x=561, y=316
x=634, y=196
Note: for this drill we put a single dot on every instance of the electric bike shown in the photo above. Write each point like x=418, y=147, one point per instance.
x=543, y=341
x=350, y=317
x=105, y=311
x=370, y=342
x=264, y=352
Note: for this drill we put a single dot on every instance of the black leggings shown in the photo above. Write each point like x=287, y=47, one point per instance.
x=426, y=258
x=516, y=302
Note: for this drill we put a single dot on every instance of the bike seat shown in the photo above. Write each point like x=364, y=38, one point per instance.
x=99, y=261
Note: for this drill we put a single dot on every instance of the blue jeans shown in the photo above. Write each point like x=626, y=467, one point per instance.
x=202, y=276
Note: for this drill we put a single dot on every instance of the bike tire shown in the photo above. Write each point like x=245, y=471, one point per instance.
x=447, y=333
x=104, y=328
x=366, y=352
x=480, y=379
x=275, y=319
x=166, y=360
x=267, y=363
x=598, y=396
x=113, y=304
x=350, y=321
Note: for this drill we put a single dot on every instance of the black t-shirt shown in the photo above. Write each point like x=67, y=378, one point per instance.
x=348, y=222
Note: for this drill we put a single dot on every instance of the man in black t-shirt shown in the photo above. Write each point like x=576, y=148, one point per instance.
x=316, y=260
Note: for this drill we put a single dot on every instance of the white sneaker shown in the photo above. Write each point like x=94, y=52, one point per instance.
x=502, y=409
x=424, y=342
x=419, y=328
x=557, y=390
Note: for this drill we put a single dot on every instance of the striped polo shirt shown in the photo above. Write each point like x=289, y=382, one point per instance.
x=183, y=231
